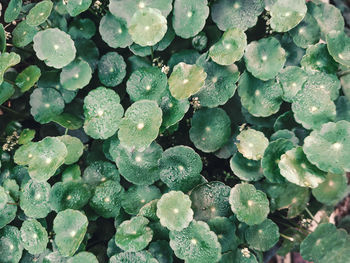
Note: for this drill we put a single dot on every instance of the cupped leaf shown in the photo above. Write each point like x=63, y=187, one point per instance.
x=286, y=14
x=237, y=13
x=54, y=47
x=111, y=69
x=34, y=199
x=189, y=17
x=147, y=26
x=43, y=158
x=263, y=236
x=7, y=60
x=11, y=247
x=307, y=32
x=210, y=129
x=83, y=28
x=69, y=194
x=130, y=257
x=86, y=257
x=106, y=200
x=13, y=10
x=76, y=75
x=325, y=82
x=313, y=107
x=137, y=196
x=332, y=190
x=219, y=85
x=100, y=171
x=292, y=79
x=23, y=34
x=210, y=200
x=317, y=58
x=272, y=157
x=34, y=236
x=149, y=210
x=146, y=83
x=230, y=48
x=87, y=51
x=265, y=58
x=6, y=91
x=140, y=125
x=332, y=140
x=296, y=168
x=338, y=44
x=114, y=31
x=68, y=121
x=246, y=169
x=70, y=227
x=251, y=206
x=225, y=230
x=28, y=77
x=74, y=147
x=186, y=80
x=260, y=98
x=252, y=144
x=140, y=167
x=103, y=112
x=75, y=7
x=174, y=210
x=39, y=13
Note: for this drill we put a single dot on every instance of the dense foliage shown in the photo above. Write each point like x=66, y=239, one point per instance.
x=197, y=131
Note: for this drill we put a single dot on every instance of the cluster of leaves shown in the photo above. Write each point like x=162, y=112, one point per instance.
x=124, y=139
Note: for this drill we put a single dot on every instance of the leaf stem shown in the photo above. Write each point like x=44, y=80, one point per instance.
x=287, y=237
x=11, y=110
x=310, y=214
x=66, y=131
x=343, y=73
x=152, y=53
x=10, y=81
x=12, y=203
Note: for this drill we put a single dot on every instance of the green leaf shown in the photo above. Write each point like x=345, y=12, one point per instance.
x=46, y=103
x=126, y=9
x=295, y=167
x=263, y=236
x=83, y=28
x=313, y=107
x=332, y=190
x=137, y=196
x=10, y=244
x=39, y=13
x=338, y=44
x=140, y=125
x=180, y=167
x=292, y=79
x=76, y=75
x=87, y=51
x=86, y=257
x=111, y=69
x=246, y=169
x=325, y=82
x=174, y=210
x=75, y=7
x=114, y=31
x=147, y=26
x=7, y=60
x=54, y=47
x=2, y=39
x=272, y=157
x=103, y=113
x=23, y=34
x=331, y=140
x=317, y=58
x=6, y=91
x=74, y=147
x=196, y=243
x=42, y=158
x=161, y=250
x=70, y=227
x=210, y=129
x=186, y=80
x=236, y=13
x=28, y=77
x=106, y=200
x=100, y=171
x=130, y=257
x=189, y=17
x=307, y=32
x=343, y=109
x=265, y=58
x=210, y=200
x=68, y=121
x=251, y=206
x=3, y=198
x=149, y=210
x=139, y=167
x=34, y=236
x=34, y=199
x=8, y=214
x=286, y=14
x=133, y=235
x=13, y=10
x=230, y=48
x=252, y=144
x=147, y=83
x=225, y=230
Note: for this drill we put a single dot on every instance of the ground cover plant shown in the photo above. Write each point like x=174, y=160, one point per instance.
x=197, y=131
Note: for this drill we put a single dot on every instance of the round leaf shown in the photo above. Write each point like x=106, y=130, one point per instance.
x=263, y=236
x=111, y=69
x=34, y=236
x=76, y=75
x=39, y=13
x=252, y=144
